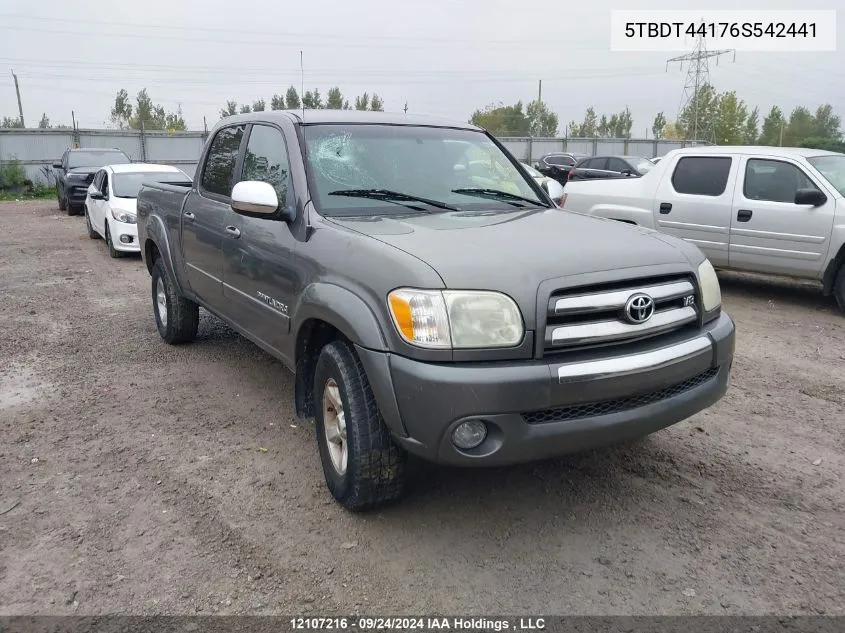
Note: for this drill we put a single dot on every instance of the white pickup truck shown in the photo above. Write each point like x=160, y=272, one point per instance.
x=761, y=209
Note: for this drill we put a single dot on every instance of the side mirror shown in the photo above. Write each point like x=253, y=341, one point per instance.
x=555, y=191
x=625, y=172
x=810, y=196
x=254, y=197
x=94, y=193
x=57, y=165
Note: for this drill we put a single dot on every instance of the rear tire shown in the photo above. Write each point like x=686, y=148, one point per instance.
x=91, y=232
x=362, y=465
x=177, y=318
x=113, y=252
x=839, y=287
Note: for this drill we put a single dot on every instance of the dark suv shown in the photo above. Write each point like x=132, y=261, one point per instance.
x=558, y=164
x=76, y=171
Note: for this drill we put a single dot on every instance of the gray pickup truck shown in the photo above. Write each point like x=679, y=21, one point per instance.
x=426, y=309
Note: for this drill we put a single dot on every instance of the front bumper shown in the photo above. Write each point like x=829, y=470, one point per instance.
x=541, y=409
x=124, y=236
x=75, y=192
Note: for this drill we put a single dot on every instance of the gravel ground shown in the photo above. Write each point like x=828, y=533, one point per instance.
x=152, y=479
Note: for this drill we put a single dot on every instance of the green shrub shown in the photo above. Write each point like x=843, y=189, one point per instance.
x=827, y=144
x=12, y=175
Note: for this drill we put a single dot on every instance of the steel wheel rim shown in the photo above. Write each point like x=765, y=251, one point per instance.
x=161, y=301
x=334, y=425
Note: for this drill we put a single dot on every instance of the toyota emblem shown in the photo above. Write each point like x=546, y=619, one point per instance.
x=639, y=308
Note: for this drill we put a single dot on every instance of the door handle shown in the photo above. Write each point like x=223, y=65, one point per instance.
x=743, y=215
x=189, y=216
x=665, y=207
x=233, y=231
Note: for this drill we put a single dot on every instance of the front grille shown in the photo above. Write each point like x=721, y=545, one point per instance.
x=593, y=409
x=596, y=315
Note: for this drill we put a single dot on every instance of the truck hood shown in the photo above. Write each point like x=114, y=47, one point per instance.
x=514, y=251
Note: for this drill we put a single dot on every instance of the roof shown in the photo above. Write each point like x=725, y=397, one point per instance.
x=96, y=149
x=350, y=117
x=756, y=149
x=134, y=168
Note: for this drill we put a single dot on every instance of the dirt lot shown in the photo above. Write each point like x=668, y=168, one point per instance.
x=143, y=485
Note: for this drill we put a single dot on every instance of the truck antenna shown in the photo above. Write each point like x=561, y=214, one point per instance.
x=302, y=79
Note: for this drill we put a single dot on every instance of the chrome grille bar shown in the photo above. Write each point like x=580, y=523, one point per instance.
x=616, y=299
x=615, y=330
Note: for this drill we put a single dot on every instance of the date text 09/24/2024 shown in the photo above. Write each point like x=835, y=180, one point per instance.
x=369, y=623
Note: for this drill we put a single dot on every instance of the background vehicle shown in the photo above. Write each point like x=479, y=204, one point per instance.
x=610, y=167
x=110, y=205
x=761, y=209
x=558, y=164
x=76, y=171
x=424, y=309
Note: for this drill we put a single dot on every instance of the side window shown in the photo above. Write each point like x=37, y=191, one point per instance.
x=773, y=180
x=219, y=168
x=617, y=164
x=266, y=159
x=568, y=160
x=702, y=175
x=554, y=160
x=599, y=163
x=98, y=180
x=105, y=187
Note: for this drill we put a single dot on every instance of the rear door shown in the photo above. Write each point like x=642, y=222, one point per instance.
x=259, y=275
x=204, y=214
x=769, y=232
x=694, y=202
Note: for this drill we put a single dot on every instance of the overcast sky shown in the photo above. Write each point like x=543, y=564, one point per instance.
x=444, y=57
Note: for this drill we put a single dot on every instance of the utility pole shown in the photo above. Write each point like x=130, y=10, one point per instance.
x=18, y=91
x=406, y=107
x=698, y=76
x=540, y=91
x=780, y=144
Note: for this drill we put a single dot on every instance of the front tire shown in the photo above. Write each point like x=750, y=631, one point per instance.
x=62, y=200
x=177, y=318
x=91, y=232
x=362, y=465
x=839, y=287
x=113, y=252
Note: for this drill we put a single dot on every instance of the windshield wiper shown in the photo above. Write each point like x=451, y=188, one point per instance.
x=391, y=196
x=496, y=194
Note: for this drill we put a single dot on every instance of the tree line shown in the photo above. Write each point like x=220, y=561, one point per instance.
x=311, y=100
x=721, y=118
x=725, y=119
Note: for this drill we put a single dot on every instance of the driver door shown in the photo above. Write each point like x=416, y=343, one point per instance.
x=95, y=207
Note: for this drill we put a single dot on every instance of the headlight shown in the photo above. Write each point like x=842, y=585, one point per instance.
x=123, y=216
x=711, y=295
x=456, y=319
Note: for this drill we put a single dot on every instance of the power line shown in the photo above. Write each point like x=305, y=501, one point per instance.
x=287, y=34
x=312, y=43
x=698, y=76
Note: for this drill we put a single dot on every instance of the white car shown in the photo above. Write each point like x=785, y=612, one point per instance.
x=110, y=210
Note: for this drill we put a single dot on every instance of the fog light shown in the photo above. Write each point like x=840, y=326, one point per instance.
x=469, y=434
x=126, y=239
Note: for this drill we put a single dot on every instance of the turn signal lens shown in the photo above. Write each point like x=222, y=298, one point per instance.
x=420, y=316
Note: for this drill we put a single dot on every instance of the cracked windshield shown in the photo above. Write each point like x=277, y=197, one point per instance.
x=352, y=168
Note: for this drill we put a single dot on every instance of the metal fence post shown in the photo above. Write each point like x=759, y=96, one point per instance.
x=143, y=143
